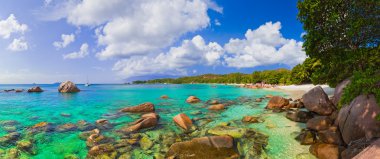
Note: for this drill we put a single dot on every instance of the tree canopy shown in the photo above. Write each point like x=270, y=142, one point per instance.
x=344, y=35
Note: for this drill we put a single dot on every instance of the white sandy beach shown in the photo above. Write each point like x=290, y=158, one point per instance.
x=296, y=91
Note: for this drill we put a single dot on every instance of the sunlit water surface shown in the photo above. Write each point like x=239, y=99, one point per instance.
x=102, y=101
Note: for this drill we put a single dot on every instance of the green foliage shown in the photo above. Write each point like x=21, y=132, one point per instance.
x=367, y=82
x=342, y=34
x=279, y=76
x=302, y=73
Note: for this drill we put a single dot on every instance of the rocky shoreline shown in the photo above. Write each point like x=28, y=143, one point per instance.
x=334, y=133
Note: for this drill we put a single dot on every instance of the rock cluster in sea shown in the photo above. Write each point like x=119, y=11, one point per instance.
x=145, y=137
x=64, y=87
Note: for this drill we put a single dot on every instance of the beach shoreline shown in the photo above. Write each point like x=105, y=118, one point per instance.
x=296, y=91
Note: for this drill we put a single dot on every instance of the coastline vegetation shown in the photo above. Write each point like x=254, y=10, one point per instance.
x=300, y=74
x=344, y=36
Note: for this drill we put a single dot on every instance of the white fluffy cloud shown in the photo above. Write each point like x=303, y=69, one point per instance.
x=128, y=27
x=10, y=26
x=18, y=45
x=83, y=52
x=66, y=40
x=174, y=62
x=136, y=32
x=263, y=46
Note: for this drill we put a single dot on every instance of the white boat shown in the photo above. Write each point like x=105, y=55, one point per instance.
x=87, y=83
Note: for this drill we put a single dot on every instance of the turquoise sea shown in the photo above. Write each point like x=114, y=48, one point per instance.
x=104, y=101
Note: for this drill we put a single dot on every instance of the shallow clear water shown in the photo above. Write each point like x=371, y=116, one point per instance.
x=103, y=101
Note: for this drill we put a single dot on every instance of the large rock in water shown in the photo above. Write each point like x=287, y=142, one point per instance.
x=183, y=121
x=193, y=99
x=358, y=120
x=325, y=151
x=144, y=107
x=68, y=87
x=277, y=102
x=35, y=89
x=339, y=91
x=149, y=120
x=41, y=127
x=331, y=136
x=216, y=107
x=316, y=100
x=299, y=115
x=204, y=147
x=319, y=123
x=306, y=137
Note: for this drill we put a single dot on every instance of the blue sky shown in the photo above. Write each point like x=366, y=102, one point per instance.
x=46, y=41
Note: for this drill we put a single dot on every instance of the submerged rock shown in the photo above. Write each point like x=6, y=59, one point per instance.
x=253, y=145
x=106, y=151
x=358, y=120
x=193, y=99
x=97, y=139
x=149, y=120
x=13, y=153
x=197, y=112
x=71, y=156
x=217, y=107
x=316, y=100
x=164, y=97
x=204, y=147
x=68, y=87
x=9, y=123
x=277, y=102
x=10, y=138
x=85, y=126
x=86, y=134
x=103, y=124
x=66, y=127
x=251, y=119
x=228, y=130
x=268, y=96
x=144, y=107
x=146, y=143
x=10, y=128
x=212, y=102
x=35, y=89
x=183, y=121
x=9, y=90
x=66, y=114
x=42, y=127
x=26, y=146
